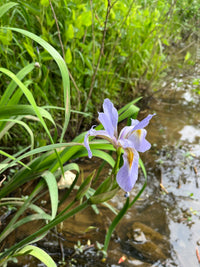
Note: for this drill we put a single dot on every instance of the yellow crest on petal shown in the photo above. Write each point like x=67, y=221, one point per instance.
x=139, y=132
x=130, y=156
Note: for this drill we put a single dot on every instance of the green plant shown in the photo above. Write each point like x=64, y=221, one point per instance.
x=111, y=48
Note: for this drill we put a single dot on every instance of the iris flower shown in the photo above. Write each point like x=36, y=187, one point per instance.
x=131, y=139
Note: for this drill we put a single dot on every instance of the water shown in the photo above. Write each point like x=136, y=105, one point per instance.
x=174, y=162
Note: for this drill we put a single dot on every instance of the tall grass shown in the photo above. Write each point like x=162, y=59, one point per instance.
x=111, y=48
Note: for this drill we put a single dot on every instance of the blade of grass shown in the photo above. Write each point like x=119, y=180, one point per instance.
x=12, y=86
x=39, y=254
x=96, y=153
x=13, y=122
x=29, y=97
x=45, y=149
x=6, y=7
x=24, y=206
x=15, y=110
x=114, y=224
x=73, y=111
x=13, y=201
x=53, y=191
x=37, y=166
x=26, y=219
x=13, y=158
x=21, y=152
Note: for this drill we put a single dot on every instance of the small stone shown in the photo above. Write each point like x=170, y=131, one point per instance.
x=139, y=236
x=147, y=242
x=67, y=180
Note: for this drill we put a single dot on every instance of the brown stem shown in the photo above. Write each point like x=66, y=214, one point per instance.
x=58, y=29
x=93, y=35
x=117, y=40
x=98, y=63
x=100, y=55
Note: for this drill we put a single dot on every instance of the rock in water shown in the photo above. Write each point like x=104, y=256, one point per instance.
x=147, y=243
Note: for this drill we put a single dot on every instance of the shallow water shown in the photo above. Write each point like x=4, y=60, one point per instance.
x=174, y=161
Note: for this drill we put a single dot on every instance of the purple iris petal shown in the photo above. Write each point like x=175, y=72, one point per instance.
x=139, y=141
x=128, y=173
x=101, y=133
x=125, y=143
x=126, y=131
x=109, y=118
x=143, y=123
x=131, y=139
x=86, y=144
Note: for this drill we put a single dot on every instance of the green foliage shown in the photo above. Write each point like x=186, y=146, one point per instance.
x=122, y=48
x=4, y=8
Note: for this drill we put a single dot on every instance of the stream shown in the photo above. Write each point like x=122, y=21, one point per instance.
x=172, y=208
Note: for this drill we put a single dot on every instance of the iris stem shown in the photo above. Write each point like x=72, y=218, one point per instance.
x=114, y=224
x=116, y=167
